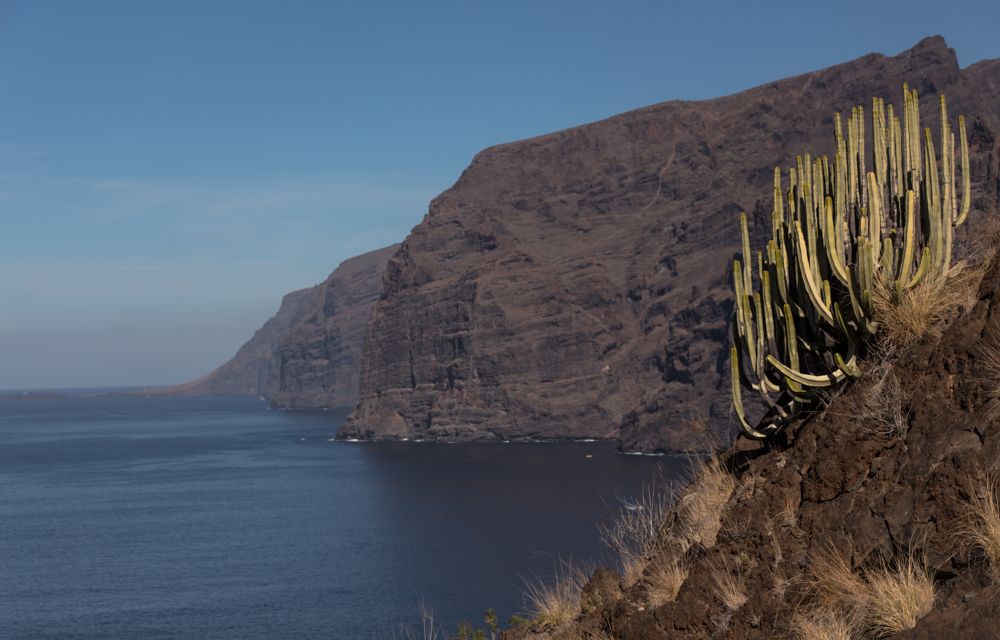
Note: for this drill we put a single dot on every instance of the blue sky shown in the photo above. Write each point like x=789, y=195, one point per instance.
x=169, y=170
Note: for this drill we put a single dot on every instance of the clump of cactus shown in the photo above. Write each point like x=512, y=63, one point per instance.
x=803, y=316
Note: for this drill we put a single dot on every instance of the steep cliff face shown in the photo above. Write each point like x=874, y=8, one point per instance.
x=255, y=369
x=321, y=353
x=578, y=284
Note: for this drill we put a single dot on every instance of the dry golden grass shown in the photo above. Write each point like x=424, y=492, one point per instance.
x=700, y=509
x=581, y=634
x=838, y=591
x=636, y=534
x=923, y=307
x=428, y=630
x=554, y=600
x=781, y=584
x=988, y=351
x=877, y=603
x=666, y=576
x=983, y=529
x=651, y=535
x=885, y=410
x=731, y=588
x=984, y=243
x=772, y=534
x=789, y=502
x=898, y=597
x=820, y=625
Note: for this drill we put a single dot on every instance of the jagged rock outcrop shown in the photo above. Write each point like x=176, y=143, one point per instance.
x=321, y=353
x=841, y=481
x=578, y=284
x=255, y=369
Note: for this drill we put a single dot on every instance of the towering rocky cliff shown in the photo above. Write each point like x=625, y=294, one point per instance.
x=577, y=284
x=321, y=353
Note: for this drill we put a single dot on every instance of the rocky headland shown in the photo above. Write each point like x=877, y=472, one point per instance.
x=307, y=355
x=320, y=354
x=255, y=369
x=578, y=284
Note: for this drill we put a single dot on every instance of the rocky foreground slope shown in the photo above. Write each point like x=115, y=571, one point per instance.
x=758, y=559
x=308, y=354
x=578, y=284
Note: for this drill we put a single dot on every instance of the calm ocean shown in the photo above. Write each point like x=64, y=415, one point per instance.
x=142, y=518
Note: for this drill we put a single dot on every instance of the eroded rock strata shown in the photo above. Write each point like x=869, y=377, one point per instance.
x=321, y=353
x=578, y=284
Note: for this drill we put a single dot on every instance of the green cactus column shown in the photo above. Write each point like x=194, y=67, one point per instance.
x=800, y=325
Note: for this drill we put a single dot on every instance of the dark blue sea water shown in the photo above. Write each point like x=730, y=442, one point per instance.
x=135, y=518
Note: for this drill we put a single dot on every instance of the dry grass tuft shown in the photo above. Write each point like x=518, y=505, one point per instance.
x=731, y=588
x=923, y=307
x=885, y=411
x=789, y=502
x=899, y=596
x=586, y=634
x=838, y=590
x=428, y=631
x=781, y=584
x=988, y=351
x=700, y=510
x=554, y=600
x=651, y=536
x=772, y=534
x=878, y=603
x=984, y=528
x=666, y=576
x=821, y=625
x=984, y=243
x=636, y=534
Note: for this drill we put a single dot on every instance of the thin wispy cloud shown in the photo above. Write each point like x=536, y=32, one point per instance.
x=110, y=199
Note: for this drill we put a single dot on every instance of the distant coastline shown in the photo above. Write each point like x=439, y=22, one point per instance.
x=61, y=393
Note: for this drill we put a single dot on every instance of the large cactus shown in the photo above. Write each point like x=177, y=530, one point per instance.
x=801, y=323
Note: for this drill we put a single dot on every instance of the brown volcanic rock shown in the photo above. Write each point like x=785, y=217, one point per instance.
x=578, y=284
x=321, y=354
x=255, y=369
